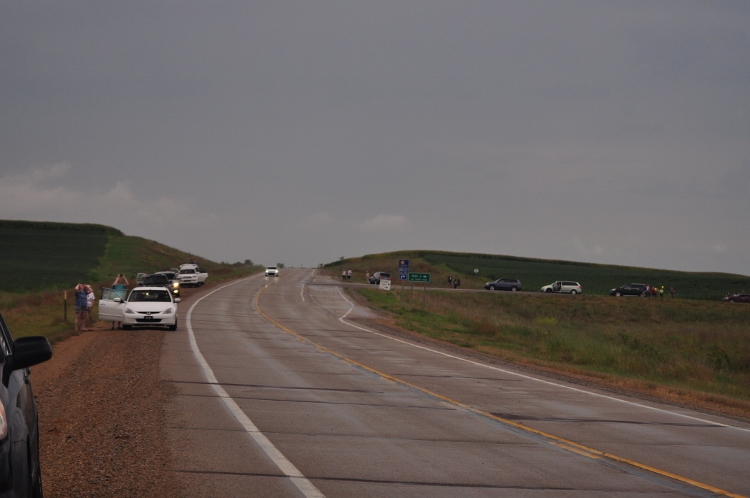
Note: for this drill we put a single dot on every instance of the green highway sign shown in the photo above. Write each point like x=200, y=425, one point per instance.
x=419, y=277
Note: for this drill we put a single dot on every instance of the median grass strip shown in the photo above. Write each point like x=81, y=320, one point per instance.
x=695, y=351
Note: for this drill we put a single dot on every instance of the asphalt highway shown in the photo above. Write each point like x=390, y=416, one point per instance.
x=279, y=390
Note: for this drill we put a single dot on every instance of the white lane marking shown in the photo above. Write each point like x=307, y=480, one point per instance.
x=302, y=287
x=307, y=488
x=351, y=304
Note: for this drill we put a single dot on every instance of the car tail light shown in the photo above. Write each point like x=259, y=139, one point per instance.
x=3, y=423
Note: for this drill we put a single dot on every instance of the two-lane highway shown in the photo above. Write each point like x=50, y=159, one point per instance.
x=277, y=392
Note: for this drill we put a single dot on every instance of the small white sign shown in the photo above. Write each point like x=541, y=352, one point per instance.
x=385, y=285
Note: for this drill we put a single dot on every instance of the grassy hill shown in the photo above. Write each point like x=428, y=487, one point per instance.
x=43, y=256
x=596, y=279
x=39, y=261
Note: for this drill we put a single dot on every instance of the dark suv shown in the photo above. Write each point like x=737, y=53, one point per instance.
x=378, y=276
x=160, y=280
x=629, y=290
x=20, y=472
x=508, y=284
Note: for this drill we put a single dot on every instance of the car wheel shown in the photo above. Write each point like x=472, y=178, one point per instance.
x=573, y=292
x=173, y=327
x=513, y=289
x=492, y=287
x=549, y=291
x=618, y=294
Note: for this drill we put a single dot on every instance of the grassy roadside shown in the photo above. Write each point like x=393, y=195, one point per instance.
x=43, y=313
x=690, y=351
x=40, y=308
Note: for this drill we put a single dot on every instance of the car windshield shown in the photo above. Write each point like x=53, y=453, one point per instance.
x=190, y=270
x=152, y=296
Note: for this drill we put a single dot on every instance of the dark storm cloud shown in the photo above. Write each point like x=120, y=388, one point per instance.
x=599, y=131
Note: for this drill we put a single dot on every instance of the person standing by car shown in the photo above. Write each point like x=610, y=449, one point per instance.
x=348, y=274
x=80, y=307
x=119, y=285
x=367, y=277
x=90, y=298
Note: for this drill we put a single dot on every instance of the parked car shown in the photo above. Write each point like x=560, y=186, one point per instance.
x=144, y=307
x=376, y=277
x=564, y=287
x=737, y=298
x=20, y=472
x=191, y=275
x=161, y=279
x=272, y=271
x=508, y=284
x=629, y=290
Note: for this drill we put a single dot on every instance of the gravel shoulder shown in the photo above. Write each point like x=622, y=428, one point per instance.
x=101, y=416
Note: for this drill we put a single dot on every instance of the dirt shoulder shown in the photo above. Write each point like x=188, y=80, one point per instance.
x=101, y=416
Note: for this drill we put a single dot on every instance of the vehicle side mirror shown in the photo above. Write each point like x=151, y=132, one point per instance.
x=177, y=300
x=117, y=299
x=27, y=352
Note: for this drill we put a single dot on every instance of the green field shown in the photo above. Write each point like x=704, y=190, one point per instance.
x=40, y=256
x=534, y=273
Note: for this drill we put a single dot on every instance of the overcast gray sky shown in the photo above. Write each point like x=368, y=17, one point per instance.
x=298, y=132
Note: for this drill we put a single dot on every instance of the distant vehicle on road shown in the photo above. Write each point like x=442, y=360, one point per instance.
x=378, y=276
x=737, y=298
x=564, y=287
x=272, y=271
x=629, y=290
x=20, y=472
x=507, y=284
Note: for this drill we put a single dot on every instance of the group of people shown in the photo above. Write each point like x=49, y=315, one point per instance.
x=84, y=302
x=83, y=305
x=346, y=275
x=656, y=291
x=455, y=282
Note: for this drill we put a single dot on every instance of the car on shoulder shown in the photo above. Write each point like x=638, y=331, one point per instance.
x=376, y=277
x=161, y=279
x=629, y=290
x=272, y=271
x=153, y=306
x=737, y=298
x=506, y=284
x=20, y=471
x=563, y=287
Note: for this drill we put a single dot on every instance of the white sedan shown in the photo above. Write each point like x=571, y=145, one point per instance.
x=149, y=307
x=272, y=271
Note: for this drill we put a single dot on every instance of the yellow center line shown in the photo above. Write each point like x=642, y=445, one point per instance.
x=555, y=440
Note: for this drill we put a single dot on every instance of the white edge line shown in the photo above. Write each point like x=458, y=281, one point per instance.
x=307, y=488
x=509, y=372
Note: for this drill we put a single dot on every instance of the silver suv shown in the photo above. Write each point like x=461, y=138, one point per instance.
x=564, y=286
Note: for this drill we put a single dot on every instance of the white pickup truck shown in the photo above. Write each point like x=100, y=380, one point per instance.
x=191, y=275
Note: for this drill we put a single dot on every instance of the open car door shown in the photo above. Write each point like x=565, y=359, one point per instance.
x=112, y=304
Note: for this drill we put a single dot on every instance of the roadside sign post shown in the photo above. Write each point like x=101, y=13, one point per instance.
x=423, y=278
x=403, y=271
